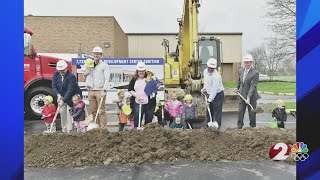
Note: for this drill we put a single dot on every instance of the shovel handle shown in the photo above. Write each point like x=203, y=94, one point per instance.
x=98, y=111
x=54, y=118
x=140, y=108
x=205, y=97
x=189, y=125
x=245, y=100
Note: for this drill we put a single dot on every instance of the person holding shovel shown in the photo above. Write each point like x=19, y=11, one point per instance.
x=247, y=87
x=213, y=89
x=48, y=112
x=65, y=86
x=139, y=97
x=100, y=77
x=120, y=102
x=162, y=114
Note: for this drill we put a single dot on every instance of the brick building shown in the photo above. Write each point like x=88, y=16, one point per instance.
x=77, y=34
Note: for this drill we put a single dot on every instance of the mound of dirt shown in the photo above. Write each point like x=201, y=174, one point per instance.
x=151, y=145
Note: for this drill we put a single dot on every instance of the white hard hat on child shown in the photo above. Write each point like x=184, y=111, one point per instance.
x=141, y=66
x=212, y=63
x=97, y=49
x=247, y=58
x=61, y=65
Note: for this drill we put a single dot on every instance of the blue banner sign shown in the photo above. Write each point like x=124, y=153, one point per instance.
x=123, y=61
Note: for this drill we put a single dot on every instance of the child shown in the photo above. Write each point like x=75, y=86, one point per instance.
x=189, y=111
x=88, y=69
x=153, y=84
x=48, y=112
x=174, y=107
x=279, y=113
x=120, y=101
x=78, y=113
x=177, y=123
x=158, y=113
x=130, y=117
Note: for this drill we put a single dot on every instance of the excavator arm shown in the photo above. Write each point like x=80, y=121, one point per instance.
x=188, y=48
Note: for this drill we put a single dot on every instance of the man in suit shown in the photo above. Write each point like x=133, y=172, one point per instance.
x=247, y=86
x=65, y=86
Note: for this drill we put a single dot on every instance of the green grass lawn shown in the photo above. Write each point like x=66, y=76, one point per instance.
x=282, y=78
x=276, y=87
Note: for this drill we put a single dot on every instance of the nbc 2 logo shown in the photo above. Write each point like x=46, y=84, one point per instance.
x=281, y=151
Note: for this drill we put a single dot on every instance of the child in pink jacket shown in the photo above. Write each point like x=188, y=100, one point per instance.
x=174, y=106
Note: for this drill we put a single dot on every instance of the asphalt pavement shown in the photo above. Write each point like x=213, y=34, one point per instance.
x=231, y=170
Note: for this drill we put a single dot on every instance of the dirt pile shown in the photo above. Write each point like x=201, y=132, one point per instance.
x=150, y=145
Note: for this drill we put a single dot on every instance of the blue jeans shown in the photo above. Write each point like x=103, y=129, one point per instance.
x=146, y=111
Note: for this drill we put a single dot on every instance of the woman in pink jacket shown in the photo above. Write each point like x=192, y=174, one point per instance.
x=174, y=107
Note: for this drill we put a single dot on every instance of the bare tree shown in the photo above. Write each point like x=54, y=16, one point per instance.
x=281, y=16
x=270, y=57
x=276, y=53
x=259, y=55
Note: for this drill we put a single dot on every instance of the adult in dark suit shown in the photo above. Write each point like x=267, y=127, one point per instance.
x=65, y=86
x=247, y=86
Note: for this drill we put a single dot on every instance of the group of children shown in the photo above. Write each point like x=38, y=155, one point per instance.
x=175, y=113
x=77, y=112
x=178, y=114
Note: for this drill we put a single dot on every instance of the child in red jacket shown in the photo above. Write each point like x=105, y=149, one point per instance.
x=48, y=112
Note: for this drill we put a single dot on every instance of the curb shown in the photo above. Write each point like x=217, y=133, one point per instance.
x=229, y=109
x=273, y=93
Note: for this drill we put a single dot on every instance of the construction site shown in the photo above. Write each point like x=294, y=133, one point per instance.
x=151, y=152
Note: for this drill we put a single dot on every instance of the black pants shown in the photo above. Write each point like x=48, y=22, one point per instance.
x=281, y=125
x=146, y=109
x=216, y=108
x=252, y=115
x=171, y=120
x=121, y=126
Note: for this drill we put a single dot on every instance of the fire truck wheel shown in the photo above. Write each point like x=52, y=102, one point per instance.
x=34, y=101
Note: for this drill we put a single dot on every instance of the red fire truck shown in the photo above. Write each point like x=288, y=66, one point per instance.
x=38, y=72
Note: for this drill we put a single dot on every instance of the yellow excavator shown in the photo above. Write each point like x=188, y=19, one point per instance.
x=184, y=67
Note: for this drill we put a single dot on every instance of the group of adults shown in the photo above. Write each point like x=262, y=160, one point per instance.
x=65, y=86
x=247, y=82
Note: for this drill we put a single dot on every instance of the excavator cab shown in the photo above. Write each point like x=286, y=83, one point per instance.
x=209, y=48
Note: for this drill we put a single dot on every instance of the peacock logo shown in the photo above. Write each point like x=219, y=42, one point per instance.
x=299, y=151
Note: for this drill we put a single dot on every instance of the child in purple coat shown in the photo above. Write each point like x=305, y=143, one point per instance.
x=78, y=113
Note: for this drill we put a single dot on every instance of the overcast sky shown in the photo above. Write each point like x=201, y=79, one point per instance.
x=160, y=15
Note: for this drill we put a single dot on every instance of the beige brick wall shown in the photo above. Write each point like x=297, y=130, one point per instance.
x=121, y=42
x=62, y=34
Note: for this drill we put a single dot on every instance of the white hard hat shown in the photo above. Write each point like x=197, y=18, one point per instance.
x=247, y=58
x=141, y=66
x=212, y=63
x=61, y=65
x=97, y=49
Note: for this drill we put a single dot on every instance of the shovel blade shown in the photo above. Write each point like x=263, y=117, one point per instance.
x=213, y=125
x=92, y=125
x=88, y=120
x=140, y=128
x=47, y=131
x=258, y=110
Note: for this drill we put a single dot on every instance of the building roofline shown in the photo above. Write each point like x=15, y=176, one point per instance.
x=73, y=16
x=202, y=33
